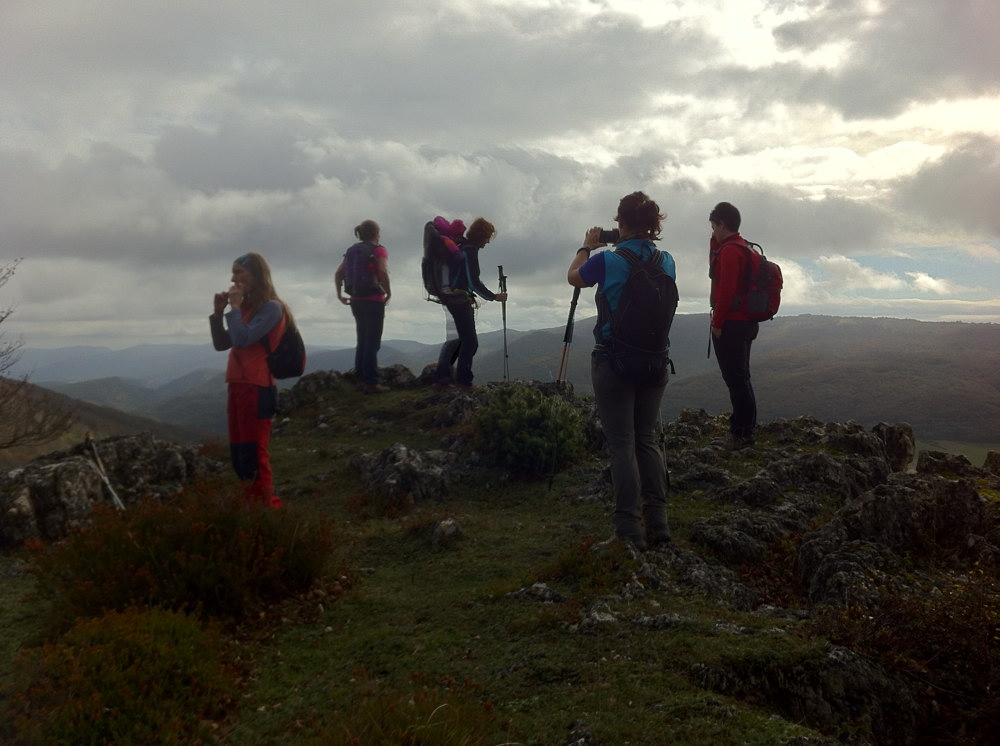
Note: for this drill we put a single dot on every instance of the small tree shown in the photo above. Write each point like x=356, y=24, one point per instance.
x=31, y=415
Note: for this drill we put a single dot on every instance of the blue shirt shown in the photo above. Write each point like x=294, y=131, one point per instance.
x=609, y=272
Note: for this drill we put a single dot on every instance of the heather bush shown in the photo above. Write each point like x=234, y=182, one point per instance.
x=945, y=635
x=139, y=676
x=527, y=432
x=204, y=551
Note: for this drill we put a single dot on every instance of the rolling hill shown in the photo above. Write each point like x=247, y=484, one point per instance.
x=943, y=378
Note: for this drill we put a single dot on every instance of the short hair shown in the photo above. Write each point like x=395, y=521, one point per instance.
x=726, y=214
x=641, y=214
x=481, y=232
x=367, y=230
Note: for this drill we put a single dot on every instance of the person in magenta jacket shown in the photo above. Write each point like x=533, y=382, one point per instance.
x=255, y=313
x=733, y=332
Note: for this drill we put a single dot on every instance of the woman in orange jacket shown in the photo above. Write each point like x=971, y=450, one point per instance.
x=256, y=317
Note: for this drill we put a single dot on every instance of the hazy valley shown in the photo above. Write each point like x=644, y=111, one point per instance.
x=942, y=378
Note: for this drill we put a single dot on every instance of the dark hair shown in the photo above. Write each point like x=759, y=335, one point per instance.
x=726, y=214
x=480, y=233
x=367, y=231
x=641, y=216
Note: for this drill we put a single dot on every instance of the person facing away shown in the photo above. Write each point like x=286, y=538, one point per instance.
x=464, y=278
x=628, y=411
x=733, y=332
x=254, y=324
x=364, y=275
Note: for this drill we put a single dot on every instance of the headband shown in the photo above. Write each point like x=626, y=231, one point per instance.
x=243, y=261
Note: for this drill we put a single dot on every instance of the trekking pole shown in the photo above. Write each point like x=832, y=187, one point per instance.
x=568, y=336
x=104, y=475
x=503, y=313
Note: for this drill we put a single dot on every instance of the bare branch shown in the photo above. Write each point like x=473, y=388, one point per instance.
x=30, y=415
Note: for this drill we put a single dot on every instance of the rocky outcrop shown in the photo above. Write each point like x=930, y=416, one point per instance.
x=405, y=474
x=912, y=516
x=50, y=495
x=829, y=692
x=811, y=468
x=845, y=506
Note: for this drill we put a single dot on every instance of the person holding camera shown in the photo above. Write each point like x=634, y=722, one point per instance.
x=629, y=407
x=464, y=273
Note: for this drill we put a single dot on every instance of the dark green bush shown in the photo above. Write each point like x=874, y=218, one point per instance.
x=529, y=433
x=141, y=676
x=204, y=551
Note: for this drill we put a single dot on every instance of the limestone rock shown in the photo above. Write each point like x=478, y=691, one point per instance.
x=49, y=496
x=404, y=473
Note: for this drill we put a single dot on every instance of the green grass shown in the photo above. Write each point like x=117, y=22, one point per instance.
x=406, y=628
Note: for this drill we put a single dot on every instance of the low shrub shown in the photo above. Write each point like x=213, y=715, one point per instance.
x=529, y=433
x=944, y=637
x=138, y=676
x=591, y=568
x=204, y=551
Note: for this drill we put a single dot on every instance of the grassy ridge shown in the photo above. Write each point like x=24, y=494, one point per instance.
x=407, y=630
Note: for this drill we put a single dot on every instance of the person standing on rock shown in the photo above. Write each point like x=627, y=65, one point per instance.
x=630, y=407
x=364, y=274
x=465, y=281
x=733, y=331
x=256, y=317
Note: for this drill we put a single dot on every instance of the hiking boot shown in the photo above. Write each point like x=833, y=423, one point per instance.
x=656, y=539
x=738, y=442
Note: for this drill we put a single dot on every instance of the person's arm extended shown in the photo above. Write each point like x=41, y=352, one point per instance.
x=590, y=242
x=472, y=256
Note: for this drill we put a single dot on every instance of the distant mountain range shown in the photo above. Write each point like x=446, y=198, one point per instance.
x=942, y=378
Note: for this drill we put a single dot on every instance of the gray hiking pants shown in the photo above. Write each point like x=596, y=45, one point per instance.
x=629, y=413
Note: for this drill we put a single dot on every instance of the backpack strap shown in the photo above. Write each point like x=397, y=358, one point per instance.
x=266, y=339
x=656, y=258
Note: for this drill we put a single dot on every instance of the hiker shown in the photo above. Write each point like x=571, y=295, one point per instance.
x=255, y=313
x=733, y=331
x=628, y=410
x=364, y=275
x=466, y=285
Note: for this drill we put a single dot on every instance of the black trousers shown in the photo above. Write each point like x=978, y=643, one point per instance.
x=462, y=349
x=732, y=350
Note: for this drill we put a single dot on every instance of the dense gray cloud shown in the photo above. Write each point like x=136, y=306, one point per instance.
x=146, y=145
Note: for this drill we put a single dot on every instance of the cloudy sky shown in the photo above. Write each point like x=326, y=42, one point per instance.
x=146, y=144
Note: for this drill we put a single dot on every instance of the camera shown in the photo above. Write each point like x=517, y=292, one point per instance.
x=609, y=236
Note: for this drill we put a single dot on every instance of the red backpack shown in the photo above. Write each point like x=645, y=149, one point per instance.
x=761, y=292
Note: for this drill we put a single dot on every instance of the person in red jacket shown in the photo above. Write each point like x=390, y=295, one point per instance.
x=733, y=332
x=255, y=312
